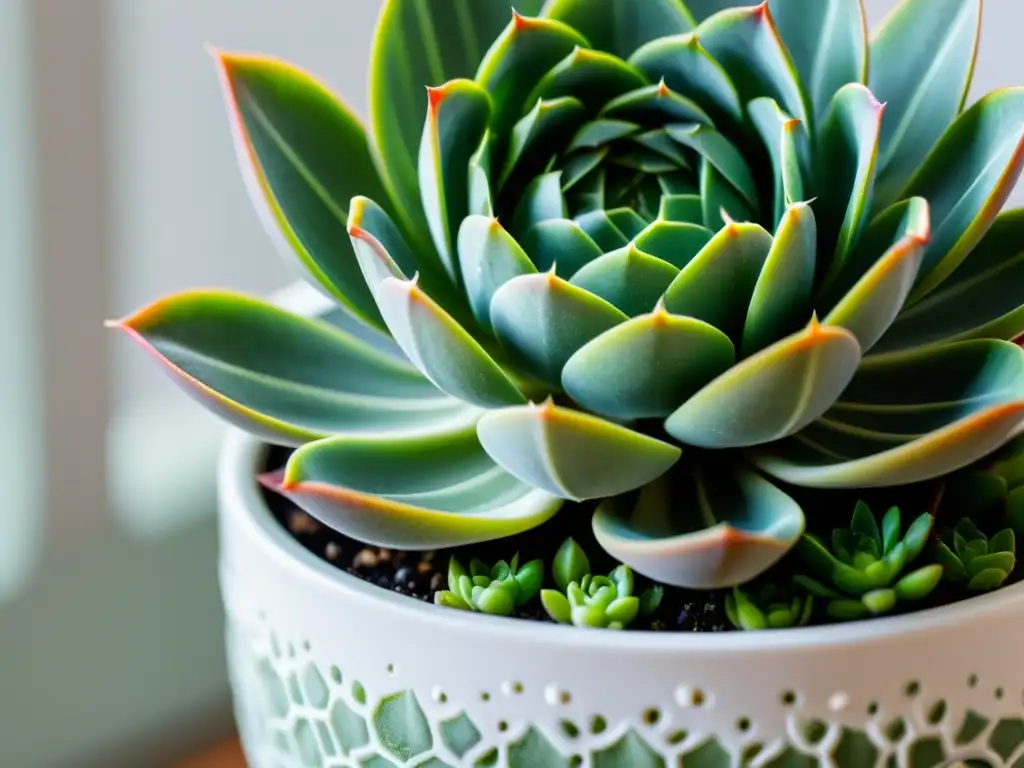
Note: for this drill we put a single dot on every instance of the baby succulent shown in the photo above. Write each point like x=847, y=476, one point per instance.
x=498, y=591
x=768, y=607
x=971, y=558
x=671, y=256
x=862, y=573
x=594, y=601
x=990, y=488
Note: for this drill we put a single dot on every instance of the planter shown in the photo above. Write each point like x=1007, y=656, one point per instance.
x=328, y=670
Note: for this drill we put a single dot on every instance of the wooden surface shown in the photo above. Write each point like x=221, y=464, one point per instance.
x=226, y=755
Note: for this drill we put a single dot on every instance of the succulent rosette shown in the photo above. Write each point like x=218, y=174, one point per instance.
x=670, y=257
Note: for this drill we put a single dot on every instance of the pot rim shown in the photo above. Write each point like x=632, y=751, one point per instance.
x=242, y=505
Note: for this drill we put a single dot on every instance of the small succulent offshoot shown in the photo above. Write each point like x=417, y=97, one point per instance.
x=768, y=607
x=971, y=558
x=585, y=600
x=993, y=487
x=498, y=591
x=860, y=574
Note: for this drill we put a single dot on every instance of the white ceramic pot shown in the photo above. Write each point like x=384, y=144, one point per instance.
x=330, y=671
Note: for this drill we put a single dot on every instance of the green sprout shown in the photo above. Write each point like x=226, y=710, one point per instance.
x=860, y=575
x=992, y=487
x=769, y=607
x=498, y=591
x=971, y=558
x=585, y=600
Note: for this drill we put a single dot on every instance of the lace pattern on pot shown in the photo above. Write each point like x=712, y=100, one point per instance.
x=297, y=709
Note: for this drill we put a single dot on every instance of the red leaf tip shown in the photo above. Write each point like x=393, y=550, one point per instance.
x=663, y=89
x=273, y=481
x=436, y=97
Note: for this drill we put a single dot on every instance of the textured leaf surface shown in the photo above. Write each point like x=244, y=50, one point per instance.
x=702, y=527
x=772, y=394
x=967, y=179
x=518, y=59
x=442, y=350
x=542, y=320
x=827, y=40
x=747, y=45
x=572, y=454
x=910, y=418
x=421, y=43
x=984, y=298
x=789, y=148
x=682, y=63
x=437, y=490
x=717, y=284
x=303, y=155
x=282, y=377
x=490, y=257
x=621, y=26
x=849, y=139
x=628, y=279
x=647, y=367
x=922, y=59
x=781, y=299
x=456, y=123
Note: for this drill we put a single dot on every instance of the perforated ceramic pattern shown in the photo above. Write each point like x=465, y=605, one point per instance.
x=295, y=709
x=329, y=671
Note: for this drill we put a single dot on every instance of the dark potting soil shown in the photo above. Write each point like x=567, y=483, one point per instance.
x=420, y=574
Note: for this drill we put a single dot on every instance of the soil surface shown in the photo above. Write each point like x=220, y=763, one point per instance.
x=420, y=574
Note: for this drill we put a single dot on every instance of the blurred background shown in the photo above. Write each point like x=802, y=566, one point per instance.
x=118, y=184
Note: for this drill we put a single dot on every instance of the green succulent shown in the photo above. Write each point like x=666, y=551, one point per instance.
x=499, y=590
x=605, y=602
x=992, y=487
x=768, y=607
x=669, y=256
x=862, y=573
x=971, y=558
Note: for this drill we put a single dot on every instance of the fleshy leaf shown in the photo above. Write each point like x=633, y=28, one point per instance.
x=674, y=242
x=593, y=77
x=722, y=203
x=682, y=209
x=967, y=179
x=655, y=105
x=541, y=201
x=682, y=63
x=303, y=155
x=456, y=122
x=721, y=153
x=542, y=320
x=489, y=257
x=983, y=298
x=283, y=377
x=545, y=131
x=910, y=418
x=789, y=148
x=772, y=394
x=702, y=527
x=602, y=230
x=870, y=307
x=562, y=244
x=747, y=45
x=849, y=139
x=433, y=491
x=622, y=26
x=648, y=366
x=827, y=41
x=717, y=284
x=441, y=349
x=518, y=59
x=922, y=59
x=782, y=296
x=419, y=43
x=628, y=279
x=572, y=454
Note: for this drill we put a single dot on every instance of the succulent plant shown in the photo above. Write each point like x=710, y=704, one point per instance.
x=971, y=558
x=499, y=590
x=768, y=607
x=991, y=488
x=604, y=602
x=666, y=258
x=862, y=573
